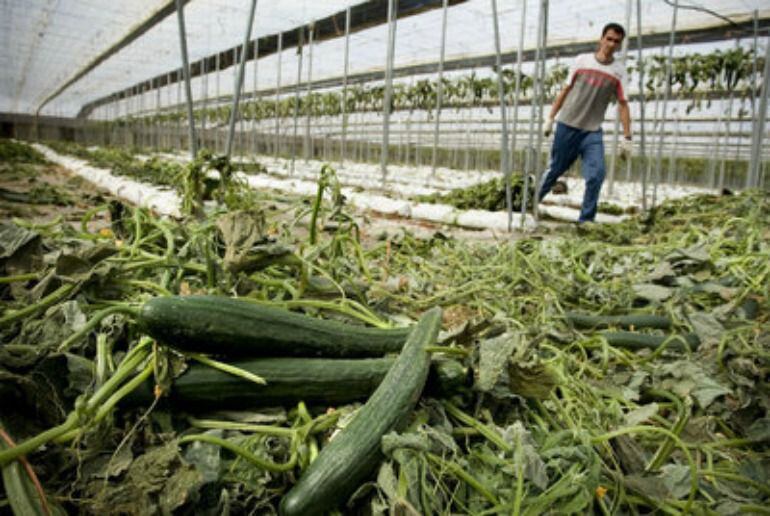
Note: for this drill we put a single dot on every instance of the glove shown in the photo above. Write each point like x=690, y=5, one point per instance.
x=626, y=148
x=548, y=127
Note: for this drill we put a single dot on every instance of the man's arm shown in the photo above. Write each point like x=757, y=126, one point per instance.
x=557, y=104
x=548, y=127
x=625, y=118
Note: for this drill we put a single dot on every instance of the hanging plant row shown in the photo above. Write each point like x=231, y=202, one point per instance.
x=695, y=77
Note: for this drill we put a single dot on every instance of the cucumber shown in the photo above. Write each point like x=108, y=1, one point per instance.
x=22, y=494
x=291, y=380
x=624, y=321
x=227, y=326
x=631, y=340
x=354, y=454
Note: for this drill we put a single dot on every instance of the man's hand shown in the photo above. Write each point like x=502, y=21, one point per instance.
x=626, y=148
x=548, y=127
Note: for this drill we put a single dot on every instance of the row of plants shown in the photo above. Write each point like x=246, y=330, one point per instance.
x=694, y=76
x=610, y=369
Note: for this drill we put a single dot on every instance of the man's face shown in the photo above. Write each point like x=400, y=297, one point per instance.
x=610, y=42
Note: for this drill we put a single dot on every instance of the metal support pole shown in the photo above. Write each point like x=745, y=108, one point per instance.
x=307, y=151
x=277, y=145
x=255, y=99
x=178, y=136
x=300, y=45
x=344, y=106
x=388, y=88
x=239, y=79
x=754, y=66
x=543, y=40
x=758, y=131
x=666, y=95
x=515, y=127
x=616, y=124
x=642, y=140
x=723, y=161
x=440, y=88
x=505, y=168
x=672, y=173
x=216, y=104
x=205, y=110
x=186, y=74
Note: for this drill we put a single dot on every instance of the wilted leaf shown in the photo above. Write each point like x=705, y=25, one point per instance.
x=13, y=238
x=533, y=466
x=387, y=481
x=707, y=327
x=652, y=292
x=493, y=359
x=206, y=458
x=759, y=430
x=676, y=478
x=641, y=414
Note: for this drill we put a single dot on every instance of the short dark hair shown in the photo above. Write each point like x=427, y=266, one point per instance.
x=614, y=27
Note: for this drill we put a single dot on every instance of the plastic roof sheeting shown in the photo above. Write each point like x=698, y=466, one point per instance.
x=46, y=42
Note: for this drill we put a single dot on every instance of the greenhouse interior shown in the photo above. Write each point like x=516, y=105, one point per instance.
x=517, y=252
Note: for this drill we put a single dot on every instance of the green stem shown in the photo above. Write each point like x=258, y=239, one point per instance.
x=483, y=429
x=94, y=322
x=456, y=470
x=448, y=350
x=670, y=435
x=54, y=297
x=735, y=478
x=242, y=452
x=228, y=368
x=210, y=424
x=19, y=278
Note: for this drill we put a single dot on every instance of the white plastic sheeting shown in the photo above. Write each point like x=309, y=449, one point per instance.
x=45, y=42
x=159, y=200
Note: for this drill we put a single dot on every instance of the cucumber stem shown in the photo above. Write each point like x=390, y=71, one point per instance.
x=243, y=453
x=49, y=300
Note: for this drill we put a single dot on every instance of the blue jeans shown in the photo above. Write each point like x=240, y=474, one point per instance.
x=568, y=144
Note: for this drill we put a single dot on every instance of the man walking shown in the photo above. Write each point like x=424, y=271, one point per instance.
x=594, y=80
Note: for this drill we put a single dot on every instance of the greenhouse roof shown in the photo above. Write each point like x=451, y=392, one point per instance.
x=47, y=46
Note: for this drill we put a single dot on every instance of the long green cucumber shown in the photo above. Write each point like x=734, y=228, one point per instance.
x=354, y=454
x=22, y=495
x=331, y=381
x=227, y=326
x=631, y=340
x=624, y=321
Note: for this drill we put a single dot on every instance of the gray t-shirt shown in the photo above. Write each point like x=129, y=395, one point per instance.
x=594, y=85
